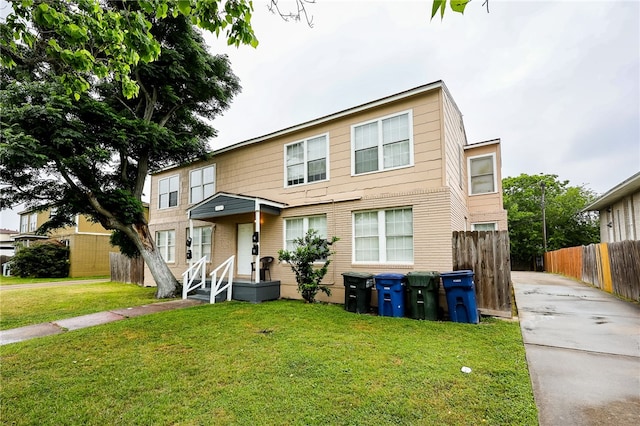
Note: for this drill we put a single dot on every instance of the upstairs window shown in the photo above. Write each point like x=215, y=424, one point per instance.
x=383, y=236
x=306, y=161
x=33, y=222
x=482, y=178
x=382, y=144
x=168, y=192
x=202, y=184
x=24, y=223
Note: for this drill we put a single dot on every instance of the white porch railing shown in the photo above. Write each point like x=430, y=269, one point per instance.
x=198, y=269
x=216, y=283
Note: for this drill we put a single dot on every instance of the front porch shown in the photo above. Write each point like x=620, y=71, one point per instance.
x=241, y=290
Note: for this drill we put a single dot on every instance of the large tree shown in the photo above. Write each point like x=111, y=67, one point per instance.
x=96, y=39
x=90, y=154
x=566, y=224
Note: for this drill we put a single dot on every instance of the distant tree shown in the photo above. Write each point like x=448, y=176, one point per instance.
x=567, y=225
x=91, y=156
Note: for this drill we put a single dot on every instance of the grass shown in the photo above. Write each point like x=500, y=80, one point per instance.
x=20, y=307
x=29, y=280
x=278, y=363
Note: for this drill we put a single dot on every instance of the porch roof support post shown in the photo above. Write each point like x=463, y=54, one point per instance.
x=256, y=258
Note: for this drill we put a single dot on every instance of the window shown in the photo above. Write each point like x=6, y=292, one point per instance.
x=383, y=236
x=200, y=243
x=489, y=226
x=298, y=227
x=166, y=243
x=24, y=223
x=168, y=192
x=202, y=184
x=33, y=222
x=306, y=161
x=482, y=175
x=383, y=144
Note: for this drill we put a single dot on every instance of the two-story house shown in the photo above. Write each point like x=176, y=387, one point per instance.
x=391, y=178
x=88, y=242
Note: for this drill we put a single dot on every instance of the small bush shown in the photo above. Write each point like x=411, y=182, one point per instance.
x=45, y=260
x=309, y=249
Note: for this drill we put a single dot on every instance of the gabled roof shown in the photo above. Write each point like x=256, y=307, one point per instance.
x=619, y=191
x=225, y=204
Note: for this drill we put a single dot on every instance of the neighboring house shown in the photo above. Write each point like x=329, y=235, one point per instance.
x=391, y=178
x=619, y=211
x=6, y=242
x=88, y=242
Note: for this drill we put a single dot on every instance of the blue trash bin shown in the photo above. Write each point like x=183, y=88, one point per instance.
x=461, y=296
x=390, y=288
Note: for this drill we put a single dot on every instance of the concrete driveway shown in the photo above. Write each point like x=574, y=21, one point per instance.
x=583, y=351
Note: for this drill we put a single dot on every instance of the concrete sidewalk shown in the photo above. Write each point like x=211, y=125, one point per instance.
x=583, y=351
x=56, y=327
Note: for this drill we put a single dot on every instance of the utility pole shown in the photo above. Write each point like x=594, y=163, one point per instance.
x=544, y=218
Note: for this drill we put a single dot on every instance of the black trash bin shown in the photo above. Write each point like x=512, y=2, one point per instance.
x=422, y=295
x=357, y=292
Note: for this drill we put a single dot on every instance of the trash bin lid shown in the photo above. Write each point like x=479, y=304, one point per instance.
x=357, y=275
x=461, y=273
x=423, y=278
x=390, y=276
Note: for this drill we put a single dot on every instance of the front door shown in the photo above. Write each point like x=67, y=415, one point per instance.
x=245, y=243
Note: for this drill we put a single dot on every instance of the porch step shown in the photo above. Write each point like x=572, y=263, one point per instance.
x=204, y=294
x=245, y=291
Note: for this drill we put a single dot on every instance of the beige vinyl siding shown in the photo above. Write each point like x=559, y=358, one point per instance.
x=454, y=175
x=487, y=207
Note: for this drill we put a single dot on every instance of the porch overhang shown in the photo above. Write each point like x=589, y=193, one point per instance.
x=225, y=204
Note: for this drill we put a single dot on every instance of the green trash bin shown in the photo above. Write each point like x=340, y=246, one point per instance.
x=422, y=295
x=357, y=292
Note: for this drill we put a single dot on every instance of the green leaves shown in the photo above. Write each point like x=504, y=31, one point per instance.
x=310, y=249
x=96, y=39
x=566, y=224
x=441, y=5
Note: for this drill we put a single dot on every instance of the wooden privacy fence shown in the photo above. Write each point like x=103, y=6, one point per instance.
x=125, y=269
x=487, y=253
x=612, y=267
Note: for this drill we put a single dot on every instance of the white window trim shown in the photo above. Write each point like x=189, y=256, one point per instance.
x=495, y=174
x=473, y=225
x=174, y=245
x=305, y=161
x=215, y=170
x=381, y=168
x=178, y=196
x=382, y=239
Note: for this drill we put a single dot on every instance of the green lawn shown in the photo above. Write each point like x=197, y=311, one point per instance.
x=20, y=307
x=273, y=363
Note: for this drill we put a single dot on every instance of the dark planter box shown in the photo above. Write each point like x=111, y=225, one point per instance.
x=256, y=292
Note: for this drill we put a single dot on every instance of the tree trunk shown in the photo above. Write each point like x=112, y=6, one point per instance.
x=165, y=281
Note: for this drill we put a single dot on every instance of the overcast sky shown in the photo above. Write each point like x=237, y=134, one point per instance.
x=557, y=81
